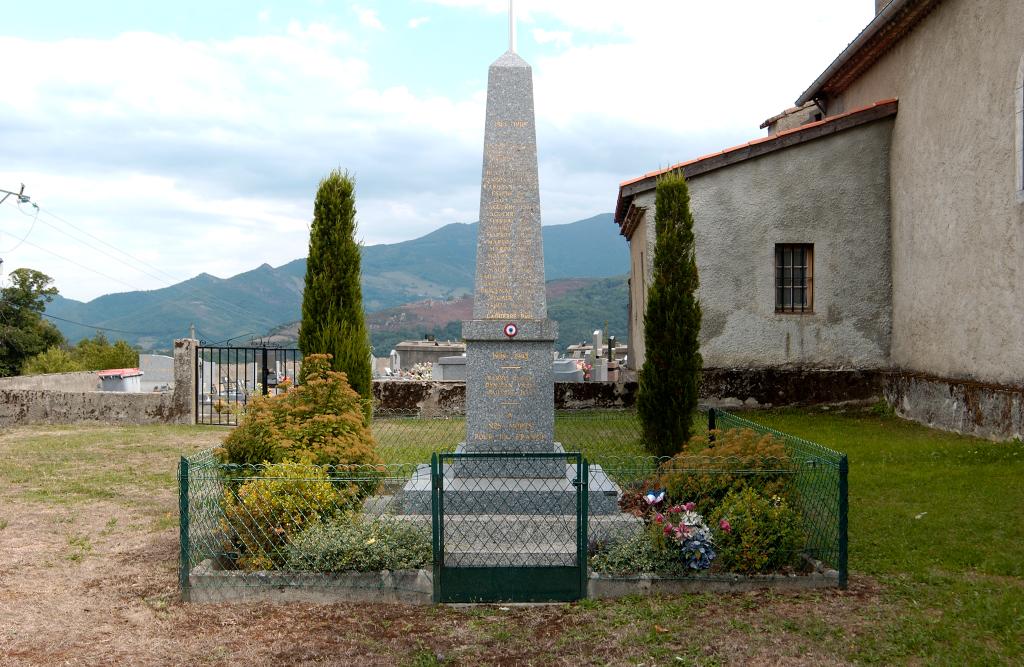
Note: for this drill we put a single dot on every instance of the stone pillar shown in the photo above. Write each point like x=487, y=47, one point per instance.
x=509, y=341
x=184, y=398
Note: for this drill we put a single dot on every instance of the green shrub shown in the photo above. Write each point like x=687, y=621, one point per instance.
x=321, y=421
x=264, y=514
x=350, y=544
x=738, y=458
x=666, y=397
x=765, y=533
x=333, y=318
x=637, y=555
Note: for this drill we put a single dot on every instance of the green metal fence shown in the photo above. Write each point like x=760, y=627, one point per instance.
x=247, y=528
x=821, y=477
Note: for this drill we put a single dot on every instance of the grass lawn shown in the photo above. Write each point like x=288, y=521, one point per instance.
x=599, y=434
x=88, y=556
x=938, y=520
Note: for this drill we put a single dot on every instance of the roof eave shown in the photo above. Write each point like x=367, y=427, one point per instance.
x=889, y=14
x=750, y=150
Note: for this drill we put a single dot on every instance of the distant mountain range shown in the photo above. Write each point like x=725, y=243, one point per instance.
x=438, y=266
x=579, y=305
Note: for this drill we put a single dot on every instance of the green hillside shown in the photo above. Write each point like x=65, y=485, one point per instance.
x=581, y=311
x=586, y=306
x=439, y=265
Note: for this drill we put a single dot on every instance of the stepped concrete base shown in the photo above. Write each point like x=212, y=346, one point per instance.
x=551, y=468
x=530, y=528
x=510, y=495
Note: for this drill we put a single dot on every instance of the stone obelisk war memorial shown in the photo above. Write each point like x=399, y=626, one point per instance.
x=509, y=362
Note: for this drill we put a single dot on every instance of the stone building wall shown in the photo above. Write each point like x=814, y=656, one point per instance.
x=833, y=192
x=957, y=204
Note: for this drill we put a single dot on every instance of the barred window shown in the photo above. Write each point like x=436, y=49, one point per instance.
x=794, y=277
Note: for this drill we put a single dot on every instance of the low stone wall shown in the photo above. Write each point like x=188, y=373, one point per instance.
x=30, y=406
x=735, y=388
x=427, y=397
x=79, y=381
x=988, y=411
x=211, y=586
x=732, y=388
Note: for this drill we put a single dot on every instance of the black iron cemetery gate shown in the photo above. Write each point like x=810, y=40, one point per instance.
x=504, y=533
x=227, y=378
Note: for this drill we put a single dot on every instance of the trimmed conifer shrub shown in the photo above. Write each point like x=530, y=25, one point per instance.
x=318, y=422
x=333, y=321
x=669, y=379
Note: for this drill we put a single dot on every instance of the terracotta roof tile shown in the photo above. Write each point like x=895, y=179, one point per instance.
x=779, y=139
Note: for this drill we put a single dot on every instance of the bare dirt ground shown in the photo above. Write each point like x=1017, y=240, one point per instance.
x=88, y=575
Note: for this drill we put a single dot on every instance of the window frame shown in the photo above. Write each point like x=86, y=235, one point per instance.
x=806, y=283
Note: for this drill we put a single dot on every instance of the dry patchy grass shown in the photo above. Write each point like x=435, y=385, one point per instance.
x=88, y=575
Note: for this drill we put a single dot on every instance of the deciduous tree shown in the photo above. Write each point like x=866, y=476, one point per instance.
x=23, y=331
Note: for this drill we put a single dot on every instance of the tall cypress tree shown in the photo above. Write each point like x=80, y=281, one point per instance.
x=333, y=321
x=669, y=379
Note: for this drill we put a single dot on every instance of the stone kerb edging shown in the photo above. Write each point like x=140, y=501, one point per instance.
x=209, y=585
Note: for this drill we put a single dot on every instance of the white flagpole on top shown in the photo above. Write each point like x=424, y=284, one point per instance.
x=512, y=26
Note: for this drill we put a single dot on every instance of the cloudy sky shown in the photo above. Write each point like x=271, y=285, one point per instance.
x=162, y=140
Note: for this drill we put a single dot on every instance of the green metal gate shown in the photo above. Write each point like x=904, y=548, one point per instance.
x=509, y=527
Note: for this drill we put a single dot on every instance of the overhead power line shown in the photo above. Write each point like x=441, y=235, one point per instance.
x=132, y=263
x=98, y=327
x=170, y=281
x=131, y=257
x=80, y=265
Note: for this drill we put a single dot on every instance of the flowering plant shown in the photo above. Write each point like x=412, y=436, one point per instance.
x=681, y=529
x=686, y=530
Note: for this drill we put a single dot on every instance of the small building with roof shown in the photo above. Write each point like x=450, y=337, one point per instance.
x=879, y=225
x=121, y=379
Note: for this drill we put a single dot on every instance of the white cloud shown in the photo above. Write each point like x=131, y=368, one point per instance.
x=263, y=16
x=561, y=38
x=368, y=18
x=203, y=155
x=418, y=21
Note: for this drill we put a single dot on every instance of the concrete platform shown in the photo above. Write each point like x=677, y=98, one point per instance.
x=509, y=495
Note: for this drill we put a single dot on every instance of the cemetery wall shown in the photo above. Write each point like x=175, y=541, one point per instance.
x=33, y=406
x=79, y=381
x=788, y=196
x=720, y=387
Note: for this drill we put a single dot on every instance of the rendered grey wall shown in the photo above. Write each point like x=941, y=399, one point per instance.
x=32, y=406
x=157, y=371
x=832, y=192
x=957, y=208
x=78, y=381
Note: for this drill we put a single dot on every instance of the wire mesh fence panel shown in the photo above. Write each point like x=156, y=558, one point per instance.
x=820, y=483
x=411, y=436
x=294, y=525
